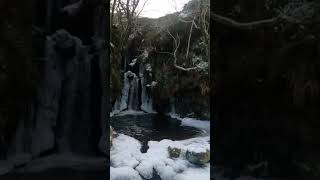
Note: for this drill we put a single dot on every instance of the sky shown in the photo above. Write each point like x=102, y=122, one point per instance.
x=158, y=8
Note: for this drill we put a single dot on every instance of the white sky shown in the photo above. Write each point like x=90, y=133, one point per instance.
x=158, y=8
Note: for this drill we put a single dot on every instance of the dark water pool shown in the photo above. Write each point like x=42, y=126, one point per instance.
x=155, y=127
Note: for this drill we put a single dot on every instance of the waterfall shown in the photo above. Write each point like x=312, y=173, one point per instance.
x=122, y=102
x=132, y=96
x=172, y=106
x=146, y=101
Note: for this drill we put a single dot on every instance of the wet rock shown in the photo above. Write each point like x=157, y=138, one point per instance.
x=199, y=158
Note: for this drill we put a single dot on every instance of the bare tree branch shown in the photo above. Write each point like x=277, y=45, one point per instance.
x=112, y=10
x=161, y=52
x=248, y=25
x=142, y=7
x=189, y=39
x=254, y=24
x=177, y=44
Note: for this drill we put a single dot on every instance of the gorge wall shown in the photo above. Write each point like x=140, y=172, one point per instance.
x=148, y=54
x=54, y=77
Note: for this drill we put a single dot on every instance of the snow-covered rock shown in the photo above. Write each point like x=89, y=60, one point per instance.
x=125, y=153
x=200, y=158
x=148, y=67
x=124, y=173
x=134, y=61
x=129, y=163
x=194, y=174
x=174, y=152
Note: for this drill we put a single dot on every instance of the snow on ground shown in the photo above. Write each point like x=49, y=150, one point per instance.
x=127, y=160
x=124, y=173
x=194, y=174
x=125, y=151
x=200, y=124
x=128, y=163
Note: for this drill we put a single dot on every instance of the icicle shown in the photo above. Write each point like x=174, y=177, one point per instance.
x=146, y=101
x=129, y=98
x=125, y=91
x=173, y=108
x=134, y=94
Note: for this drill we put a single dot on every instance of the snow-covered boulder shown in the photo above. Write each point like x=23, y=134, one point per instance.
x=174, y=152
x=124, y=173
x=198, y=157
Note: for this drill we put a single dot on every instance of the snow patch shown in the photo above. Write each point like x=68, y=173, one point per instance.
x=134, y=61
x=125, y=153
x=194, y=173
x=124, y=173
x=191, y=122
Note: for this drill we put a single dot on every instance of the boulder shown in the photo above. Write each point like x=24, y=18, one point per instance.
x=198, y=157
x=174, y=152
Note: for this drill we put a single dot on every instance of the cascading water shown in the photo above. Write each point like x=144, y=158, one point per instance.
x=122, y=103
x=146, y=100
x=172, y=106
x=135, y=94
x=133, y=102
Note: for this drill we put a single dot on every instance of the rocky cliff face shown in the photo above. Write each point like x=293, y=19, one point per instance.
x=166, y=86
x=61, y=107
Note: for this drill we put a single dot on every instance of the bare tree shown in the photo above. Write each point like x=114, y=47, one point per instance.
x=281, y=17
x=247, y=25
x=127, y=12
x=174, y=54
x=199, y=20
x=175, y=60
x=113, y=7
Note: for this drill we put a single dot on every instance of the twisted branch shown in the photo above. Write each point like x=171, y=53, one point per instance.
x=177, y=44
